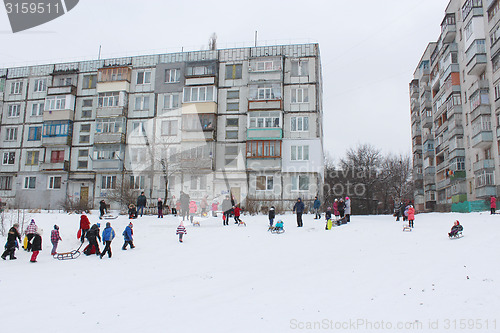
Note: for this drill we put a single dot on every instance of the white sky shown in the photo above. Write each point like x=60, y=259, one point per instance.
x=369, y=49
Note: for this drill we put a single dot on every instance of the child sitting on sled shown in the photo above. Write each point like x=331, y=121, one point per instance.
x=457, y=227
x=132, y=211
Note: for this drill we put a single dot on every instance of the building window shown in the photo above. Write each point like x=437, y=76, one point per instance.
x=87, y=103
x=56, y=128
x=40, y=85
x=460, y=163
x=11, y=134
x=267, y=65
x=138, y=128
x=30, y=183
x=171, y=101
x=169, y=127
x=233, y=106
x=35, y=133
x=198, y=122
x=142, y=103
x=2, y=84
x=300, y=153
x=143, y=77
x=300, y=183
x=84, y=138
x=6, y=183
x=83, y=164
x=106, y=153
x=172, y=75
x=16, y=87
x=300, y=95
x=110, y=125
x=32, y=157
x=231, y=156
x=265, y=119
x=137, y=155
x=9, y=158
x=64, y=81
x=57, y=156
x=232, y=122
x=83, y=153
x=14, y=111
x=485, y=179
x=54, y=183
x=37, y=109
x=234, y=71
x=231, y=134
x=85, y=128
x=199, y=70
x=108, y=99
x=233, y=94
x=137, y=182
x=86, y=113
x=263, y=149
x=265, y=183
x=299, y=124
x=199, y=94
x=108, y=182
x=300, y=68
x=265, y=93
x=198, y=182
x=89, y=81
x=55, y=103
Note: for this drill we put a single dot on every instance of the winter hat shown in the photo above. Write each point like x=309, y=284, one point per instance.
x=347, y=198
x=329, y=208
x=108, y=224
x=131, y=225
x=32, y=221
x=98, y=225
x=159, y=199
x=56, y=227
x=456, y=222
x=16, y=225
x=272, y=208
x=336, y=200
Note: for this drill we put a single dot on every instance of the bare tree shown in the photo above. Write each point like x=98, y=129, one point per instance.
x=123, y=193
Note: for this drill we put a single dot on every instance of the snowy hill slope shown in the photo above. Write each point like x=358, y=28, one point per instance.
x=244, y=279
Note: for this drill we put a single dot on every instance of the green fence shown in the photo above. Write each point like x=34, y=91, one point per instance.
x=470, y=206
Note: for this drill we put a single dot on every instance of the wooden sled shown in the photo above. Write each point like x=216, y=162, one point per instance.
x=109, y=217
x=68, y=255
x=406, y=228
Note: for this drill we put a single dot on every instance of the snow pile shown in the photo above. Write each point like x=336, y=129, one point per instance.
x=245, y=279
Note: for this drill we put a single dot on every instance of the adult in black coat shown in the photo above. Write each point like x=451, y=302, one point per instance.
x=184, y=199
x=298, y=208
x=92, y=235
x=227, y=207
x=102, y=208
x=341, y=207
x=12, y=237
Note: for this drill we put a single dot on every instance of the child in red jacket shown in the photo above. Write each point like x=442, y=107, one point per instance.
x=237, y=212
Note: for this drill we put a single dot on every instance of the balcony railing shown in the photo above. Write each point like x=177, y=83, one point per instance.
x=484, y=164
x=483, y=139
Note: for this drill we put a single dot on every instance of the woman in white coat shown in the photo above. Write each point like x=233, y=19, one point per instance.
x=347, y=209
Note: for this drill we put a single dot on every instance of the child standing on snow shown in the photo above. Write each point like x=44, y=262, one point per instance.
x=55, y=237
x=181, y=230
x=237, y=212
x=30, y=232
x=272, y=215
x=160, y=208
x=127, y=235
x=411, y=216
x=192, y=210
x=36, y=247
x=107, y=237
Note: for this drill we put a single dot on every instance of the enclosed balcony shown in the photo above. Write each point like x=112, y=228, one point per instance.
x=476, y=57
x=264, y=133
x=54, y=166
x=486, y=191
x=112, y=104
x=448, y=28
x=57, y=133
x=427, y=120
x=414, y=89
x=113, y=79
x=60, y=107
x=482, y=140
x=62, y=90
x=484, y=164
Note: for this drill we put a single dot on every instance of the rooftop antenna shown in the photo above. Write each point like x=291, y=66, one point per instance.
x=99, y=56
x=255, y=40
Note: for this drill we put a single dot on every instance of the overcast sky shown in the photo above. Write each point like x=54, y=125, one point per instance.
x=369, y=49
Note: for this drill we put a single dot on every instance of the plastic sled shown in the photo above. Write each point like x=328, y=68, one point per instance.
x=68, y=255
x=242, y=224
x=109, y=217
x=25, y=242
x=406, y=228
x=456, y=235
x=275, y=230
x=196, y=224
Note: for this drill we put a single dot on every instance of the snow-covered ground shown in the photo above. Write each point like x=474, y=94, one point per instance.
x=367, y=275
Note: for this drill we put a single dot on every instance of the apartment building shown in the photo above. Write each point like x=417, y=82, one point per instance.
x=243, y=121
x=455, y=108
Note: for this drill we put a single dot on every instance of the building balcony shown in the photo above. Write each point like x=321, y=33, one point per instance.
x=486, y=191
x=205, y=80
x=416, y=132
x=200, y=107
x=206, y=163
x=482, y=140
x=483, y=109
x=425, y=103
x=257, y=105
x=417, y=162
x=414, y=104
x=265, y=76
x=113, y=111
x=458, y=176
x=498, y=132
x=62, y=90
x=456, y=130
x=424, y=72
x=429, y=179
x=414, y=89
x=497, y=104
x=102, y=138
x=199, y=135
x=448, y=29
x=477, y=64
x=454, y=110
x=111, y=86
x=58, y=115
x=109, y=165
x=427, y=121
x=57, y=140
x=261, y=164
x=264, y=133
x=479, y=85
x=494, y=49
x=442, y=184
x=458, y=152
x=54, y=166
x=484, y=164
x=417, y=177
